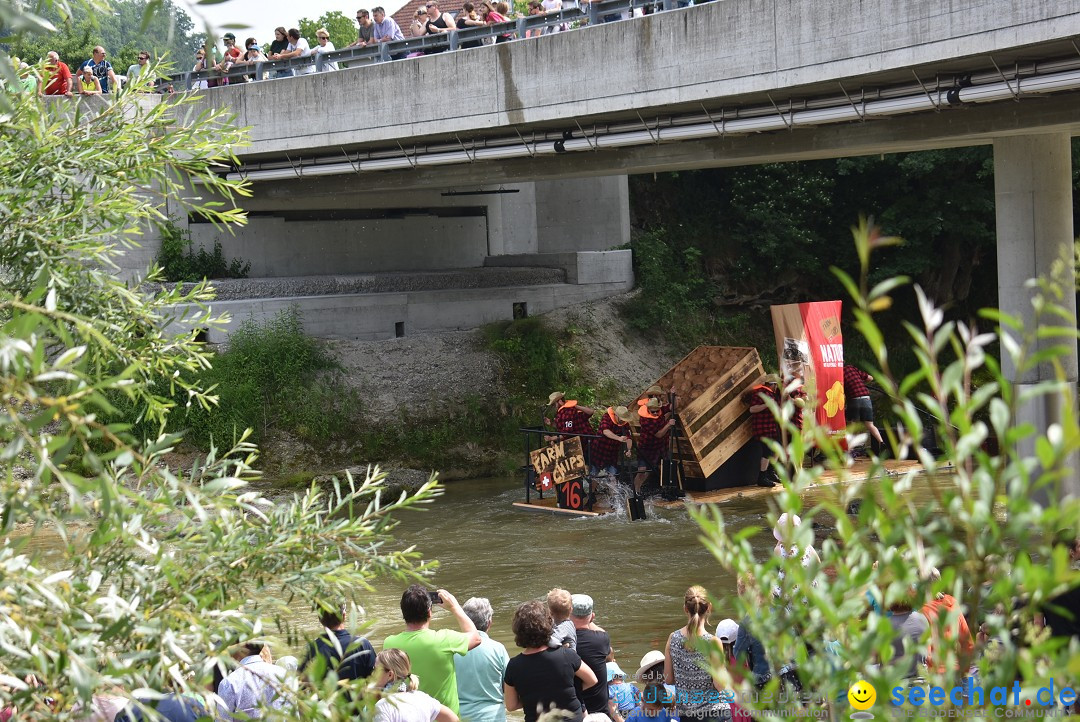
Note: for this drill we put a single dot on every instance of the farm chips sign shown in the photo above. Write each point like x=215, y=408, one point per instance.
x=563, y=461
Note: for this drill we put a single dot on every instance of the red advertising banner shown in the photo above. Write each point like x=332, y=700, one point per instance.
x=810, y=347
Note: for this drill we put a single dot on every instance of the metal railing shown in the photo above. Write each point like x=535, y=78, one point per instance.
x=454, y=39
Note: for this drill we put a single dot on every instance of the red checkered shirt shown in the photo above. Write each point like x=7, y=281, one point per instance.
x=796, y=418
x=855, y=382
x=572, y=420
x=651, y=447
x=607, y=452
x=763, y=423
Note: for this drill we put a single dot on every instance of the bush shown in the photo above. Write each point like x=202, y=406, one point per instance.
x=270, y=375
x=989, y=529
x=180, y=262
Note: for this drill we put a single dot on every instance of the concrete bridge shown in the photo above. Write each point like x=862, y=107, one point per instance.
x=559, y=120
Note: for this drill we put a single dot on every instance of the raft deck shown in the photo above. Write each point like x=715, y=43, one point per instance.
x=548, y=505
x=859, y=471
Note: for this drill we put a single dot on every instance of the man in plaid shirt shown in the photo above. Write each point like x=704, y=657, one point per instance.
x=572, y=418
x=614, y=435
x=652, y=441
x=763, y=424
x=857, y=400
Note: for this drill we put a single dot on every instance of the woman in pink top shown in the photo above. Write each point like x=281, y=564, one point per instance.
x=491, y=16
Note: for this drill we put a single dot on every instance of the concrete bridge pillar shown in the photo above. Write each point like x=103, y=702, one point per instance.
x=1033, y=195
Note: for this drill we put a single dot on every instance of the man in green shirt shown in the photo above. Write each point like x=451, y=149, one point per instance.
x=432, y=652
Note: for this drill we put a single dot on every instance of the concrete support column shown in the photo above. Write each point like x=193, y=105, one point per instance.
x=1033, y=195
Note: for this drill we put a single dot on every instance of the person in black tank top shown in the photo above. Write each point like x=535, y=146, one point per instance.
x=468, y=18
x=437, y=22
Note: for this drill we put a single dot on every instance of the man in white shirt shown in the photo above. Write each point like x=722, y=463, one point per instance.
x=256, y=683
x=298, y=48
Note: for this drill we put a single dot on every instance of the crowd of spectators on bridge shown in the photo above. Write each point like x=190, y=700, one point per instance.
x=567, y=660
x=216, y=67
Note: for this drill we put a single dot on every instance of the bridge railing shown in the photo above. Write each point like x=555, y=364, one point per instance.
x=597, y=12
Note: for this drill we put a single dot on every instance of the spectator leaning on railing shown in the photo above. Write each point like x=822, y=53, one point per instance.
x=365, y=34
x=102, y=69
x=298, y=48
x=468, y=18
x=58, y=76
x=322, y=35
x=386, y=30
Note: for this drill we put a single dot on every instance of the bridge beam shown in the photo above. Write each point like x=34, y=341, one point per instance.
x=1033, y=195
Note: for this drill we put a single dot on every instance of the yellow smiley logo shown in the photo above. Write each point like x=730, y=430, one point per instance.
x=862, y=695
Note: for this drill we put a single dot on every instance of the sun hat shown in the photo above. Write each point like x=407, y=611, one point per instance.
x=772, y=379
x=581, y=605
x=555, y=396
x=622, y=414
x=785, y=520
x=727, y=630
x=654, y=389
x=614, y=670
x=650, y=660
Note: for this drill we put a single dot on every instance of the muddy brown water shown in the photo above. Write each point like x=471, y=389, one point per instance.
x=637, y=572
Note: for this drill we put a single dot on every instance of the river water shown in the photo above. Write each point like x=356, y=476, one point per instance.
x=636, y=571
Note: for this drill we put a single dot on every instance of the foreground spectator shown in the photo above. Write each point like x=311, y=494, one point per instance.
x=322, y=35
x=560, y=604
x=365, y=33
x=88, y=84
x=541, y=678
x=687, y=667
x=256, y=683
x=102, y=69
x=535, y=8
x=58, y=74
x=432, y=652
x=594, y=648
x=554, y=6
x=656, y=706
x=348, y=656
x=404, y=702
x=135, y=71
x=480, y=672
x=622, y=694
x=172, y=707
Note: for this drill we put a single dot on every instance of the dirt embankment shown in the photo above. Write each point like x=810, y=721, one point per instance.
x=423, y=375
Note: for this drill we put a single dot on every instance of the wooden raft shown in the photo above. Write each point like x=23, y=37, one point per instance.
x=709, y=383
x=860, y=471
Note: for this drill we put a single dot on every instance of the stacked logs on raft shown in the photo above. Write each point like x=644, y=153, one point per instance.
x=709, y=384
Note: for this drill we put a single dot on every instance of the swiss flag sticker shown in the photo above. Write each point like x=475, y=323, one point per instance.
x=545, y=482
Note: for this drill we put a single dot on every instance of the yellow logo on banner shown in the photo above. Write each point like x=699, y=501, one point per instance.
x=834, y=399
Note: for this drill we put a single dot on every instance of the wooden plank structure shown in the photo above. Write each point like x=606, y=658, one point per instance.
x=550, y=505
x=860, y=471
x=709, y=384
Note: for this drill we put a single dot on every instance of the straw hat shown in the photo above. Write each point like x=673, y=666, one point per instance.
x=623, y=414
x=653, y=405
x=772, y=379
x=654, y=390
x=555, y=396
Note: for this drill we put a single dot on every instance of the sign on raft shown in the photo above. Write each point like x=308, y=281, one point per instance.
x=563, y=465
x=811, y=348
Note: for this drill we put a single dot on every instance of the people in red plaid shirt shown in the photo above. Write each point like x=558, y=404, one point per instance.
x=571, y=418
x=615, y=438
x=763, y=424
x=858, y=406
x=652, y=441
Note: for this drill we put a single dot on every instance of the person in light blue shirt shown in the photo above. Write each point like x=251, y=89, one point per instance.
x=480, y=672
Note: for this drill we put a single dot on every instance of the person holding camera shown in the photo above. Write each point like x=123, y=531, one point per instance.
x=432, y=651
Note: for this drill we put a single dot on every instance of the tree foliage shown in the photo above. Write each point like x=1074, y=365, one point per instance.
x=123, y=29
x=993, y=525
x=162, y=569
x=342, y=29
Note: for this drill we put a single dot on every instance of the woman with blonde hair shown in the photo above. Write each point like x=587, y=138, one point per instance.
x=687, y=663
x=402, y=700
